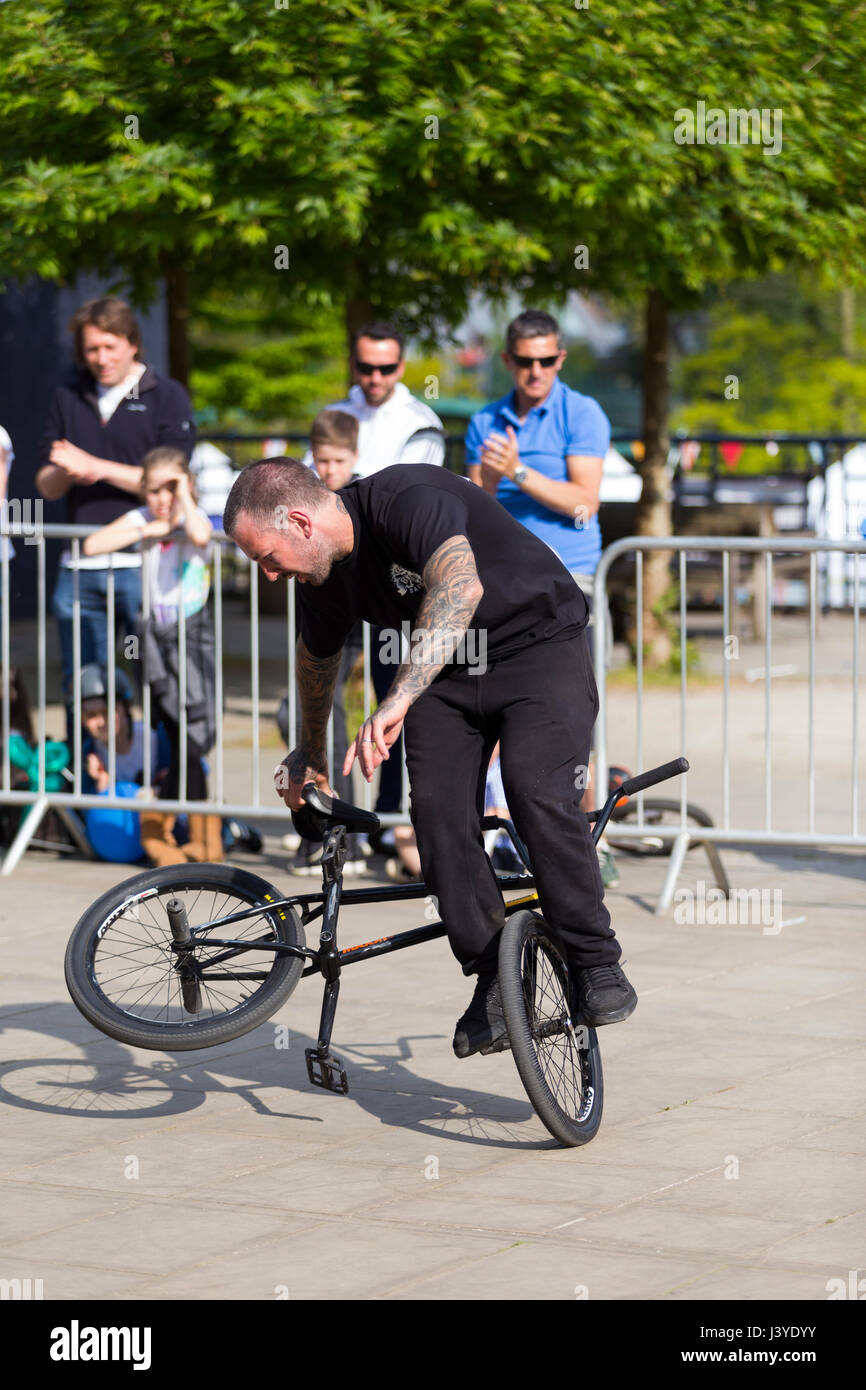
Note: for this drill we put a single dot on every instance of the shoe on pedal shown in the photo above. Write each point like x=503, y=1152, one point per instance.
x=604, y=995
x=482, y=1027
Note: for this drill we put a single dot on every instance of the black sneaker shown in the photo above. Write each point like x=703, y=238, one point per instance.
x=604, y=995
x=308, y=860
x=241, y=835
x=482, y=1027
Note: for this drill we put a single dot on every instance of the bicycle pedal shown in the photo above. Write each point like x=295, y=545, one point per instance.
x=327, y=1072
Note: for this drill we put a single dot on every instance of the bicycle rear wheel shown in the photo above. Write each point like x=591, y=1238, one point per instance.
x=557, y=1056
x=123, y=975
x=657, y=812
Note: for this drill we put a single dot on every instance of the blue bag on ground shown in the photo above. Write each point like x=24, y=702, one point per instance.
x=114, y=833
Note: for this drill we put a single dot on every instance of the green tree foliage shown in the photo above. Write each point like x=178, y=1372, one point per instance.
x=403, y=154
x=264, y=366
x=784, y=341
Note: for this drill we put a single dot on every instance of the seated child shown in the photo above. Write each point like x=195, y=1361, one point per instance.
x=129, y=735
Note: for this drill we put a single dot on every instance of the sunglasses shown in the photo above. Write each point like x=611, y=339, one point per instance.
x=384, y=368
x=528, y=361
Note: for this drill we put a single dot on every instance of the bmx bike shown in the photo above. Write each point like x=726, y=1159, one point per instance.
x=189, y=956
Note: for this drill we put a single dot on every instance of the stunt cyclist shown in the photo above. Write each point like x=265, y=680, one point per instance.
x=496, y=652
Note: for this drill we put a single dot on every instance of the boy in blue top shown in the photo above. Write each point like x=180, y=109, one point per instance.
x=540, y=451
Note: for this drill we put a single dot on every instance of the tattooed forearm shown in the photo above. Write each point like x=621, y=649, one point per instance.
x=454, y=591
x=317, y=680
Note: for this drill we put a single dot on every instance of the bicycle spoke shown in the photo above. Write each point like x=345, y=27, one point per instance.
x=559, y=1055
x=135, y=966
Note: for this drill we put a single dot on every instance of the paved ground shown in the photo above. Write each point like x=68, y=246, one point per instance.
x=728, y=1165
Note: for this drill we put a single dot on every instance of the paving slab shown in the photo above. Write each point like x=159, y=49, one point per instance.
x=433, y=1179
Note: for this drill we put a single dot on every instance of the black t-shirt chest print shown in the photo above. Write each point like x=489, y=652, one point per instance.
x=405, y=581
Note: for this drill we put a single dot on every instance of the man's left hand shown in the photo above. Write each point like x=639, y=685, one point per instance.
x=376, y=736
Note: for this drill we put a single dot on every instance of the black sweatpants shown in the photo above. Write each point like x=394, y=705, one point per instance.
x=541, y=703
x=196, y=779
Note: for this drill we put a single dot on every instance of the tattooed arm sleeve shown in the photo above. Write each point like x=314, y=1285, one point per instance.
x=454, y=591
x=317, y=679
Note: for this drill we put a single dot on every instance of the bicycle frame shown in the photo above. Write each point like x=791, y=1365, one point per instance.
x=322, y=1068
x=328, y=960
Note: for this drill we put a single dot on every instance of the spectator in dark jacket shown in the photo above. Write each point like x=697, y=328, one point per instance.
x=101, y=423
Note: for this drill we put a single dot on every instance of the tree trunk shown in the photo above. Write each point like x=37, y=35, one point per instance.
x=654, y=508
x=359, y=311
x=177, y=313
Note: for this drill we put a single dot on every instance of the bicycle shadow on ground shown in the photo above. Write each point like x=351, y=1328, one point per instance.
x=107, y=1082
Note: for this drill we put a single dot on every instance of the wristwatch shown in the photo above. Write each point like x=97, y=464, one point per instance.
x=519, y=475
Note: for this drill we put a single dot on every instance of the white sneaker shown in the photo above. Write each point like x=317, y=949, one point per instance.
x=306, y=870
x=396, y=870
x=351, y=869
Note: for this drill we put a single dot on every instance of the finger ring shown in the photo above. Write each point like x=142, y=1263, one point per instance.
x=366, y=740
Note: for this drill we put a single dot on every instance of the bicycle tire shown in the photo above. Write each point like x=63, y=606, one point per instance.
x=557, y=1057
x=113, y=925
x=651, y=848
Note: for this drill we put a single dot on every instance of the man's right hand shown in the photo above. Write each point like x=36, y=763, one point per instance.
x=295, y=771
x=82, y=467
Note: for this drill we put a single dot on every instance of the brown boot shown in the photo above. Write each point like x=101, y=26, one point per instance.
x=213, y=838
x=196, y=847
x=195, y=850
x=157, y=841
x=205, y=839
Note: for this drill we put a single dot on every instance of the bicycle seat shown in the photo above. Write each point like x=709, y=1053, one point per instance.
x=322, y=812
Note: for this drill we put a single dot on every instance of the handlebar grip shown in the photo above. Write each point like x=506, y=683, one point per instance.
x=655, y=774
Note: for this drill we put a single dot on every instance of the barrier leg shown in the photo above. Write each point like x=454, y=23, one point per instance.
x=26, y=831
x=76, y=830
x=678, y=854
x=718, y=868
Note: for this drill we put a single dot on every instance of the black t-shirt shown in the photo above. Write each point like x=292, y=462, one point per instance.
x=401, y=515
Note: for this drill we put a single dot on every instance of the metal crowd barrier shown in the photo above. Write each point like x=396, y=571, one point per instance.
x=41, y=799
x=729, y=831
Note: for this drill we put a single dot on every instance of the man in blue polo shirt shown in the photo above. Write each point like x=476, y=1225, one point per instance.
x=540, y=451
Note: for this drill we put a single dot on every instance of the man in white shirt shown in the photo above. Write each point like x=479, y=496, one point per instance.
x=393, y=427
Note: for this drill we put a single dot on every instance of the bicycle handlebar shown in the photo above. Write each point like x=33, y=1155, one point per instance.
x=655, y=774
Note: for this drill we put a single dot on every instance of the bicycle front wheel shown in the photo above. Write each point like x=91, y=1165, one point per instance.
x=126, y=979
x=557, y=1056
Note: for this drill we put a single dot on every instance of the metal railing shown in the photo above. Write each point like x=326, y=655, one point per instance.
x=40, y=799
x=730, y=830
